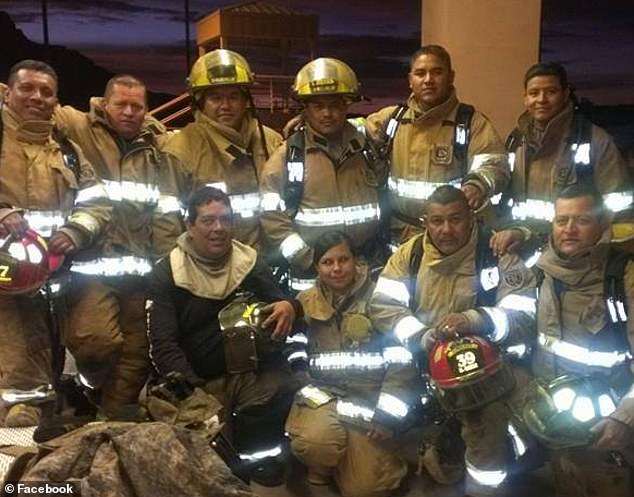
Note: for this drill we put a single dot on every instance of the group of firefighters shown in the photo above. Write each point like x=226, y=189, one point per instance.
x=413, y=246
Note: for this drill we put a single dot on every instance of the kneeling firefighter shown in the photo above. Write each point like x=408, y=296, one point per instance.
x=202, y=327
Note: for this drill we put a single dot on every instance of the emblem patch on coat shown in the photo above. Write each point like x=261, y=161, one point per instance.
x=514, y=278
x=441, y=154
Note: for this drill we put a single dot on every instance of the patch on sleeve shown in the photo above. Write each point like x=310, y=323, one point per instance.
x=514, y=278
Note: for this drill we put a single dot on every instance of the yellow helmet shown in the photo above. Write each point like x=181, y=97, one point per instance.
x=326, y=76
x=218, y=68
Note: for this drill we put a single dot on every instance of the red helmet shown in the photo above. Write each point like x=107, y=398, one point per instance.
x=25, y=264
x=468, y=372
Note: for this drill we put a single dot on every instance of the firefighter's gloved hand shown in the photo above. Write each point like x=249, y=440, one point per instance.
x=281, y=315
x=14, y=225
x=611, y=434
x=61, y=243
x=452, y=325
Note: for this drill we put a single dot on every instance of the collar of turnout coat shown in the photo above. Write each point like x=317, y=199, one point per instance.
x=27, y=131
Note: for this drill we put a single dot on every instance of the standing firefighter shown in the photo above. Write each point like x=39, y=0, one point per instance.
x=326, y=175
x=226, y=146
x=47, y=186
x=434, y=139
x=145, y=186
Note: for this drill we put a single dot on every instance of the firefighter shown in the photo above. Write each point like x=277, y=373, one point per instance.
x=47, y=186
x=106, y=325
x=362, y=385
x=326, y=175
x=584, y=333
x=227, y=145
x=190, y=293
x=434, y=139
x=555, y=145
x=447, y=282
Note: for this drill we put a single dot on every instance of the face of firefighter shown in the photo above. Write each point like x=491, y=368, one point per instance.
x=544, y=98
x=336, y=268
x=125, y=108
x=576, y=228
x=431, y=81
x=226, y=105
x=212, y=230
x=33, y=95
x=326, y=114
x=449, y=226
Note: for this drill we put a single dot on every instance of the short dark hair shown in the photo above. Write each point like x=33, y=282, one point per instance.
x=447, y=194
x=31, y=65
x=126, y=80
x=547, y=69
x=204, y=196
x=436, y=50
x=331, y=239
x=585, y=189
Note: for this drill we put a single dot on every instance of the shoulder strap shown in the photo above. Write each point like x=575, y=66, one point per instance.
x=513, y=140
x=415, y=259
x=71, y=158
x=389, y=131
x=294, y=171
x=462, y=134
x=486, y=266
x=581, y=155
x=614, y=290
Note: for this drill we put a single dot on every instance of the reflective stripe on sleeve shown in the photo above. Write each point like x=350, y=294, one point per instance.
x=392, y=405
x=113, y=266
x=394, y=289
x=45, y=222
x=582, y=355
x=414, y=189
x=487, y=478
x=131, y=191
x=291, y=245
x=91, y=193
x=407, y=327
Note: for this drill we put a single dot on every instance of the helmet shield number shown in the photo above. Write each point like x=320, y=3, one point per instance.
x=466, y=360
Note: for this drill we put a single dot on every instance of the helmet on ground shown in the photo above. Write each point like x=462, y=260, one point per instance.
x=219, y=67
x=326, y=76
x=468, y=372
x=560, y=413
x=25, y=264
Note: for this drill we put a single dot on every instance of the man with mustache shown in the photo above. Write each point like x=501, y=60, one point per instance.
x=447, y=283
x=106, y=323
x=46, y=185
x=326, y=175
x=554, y=146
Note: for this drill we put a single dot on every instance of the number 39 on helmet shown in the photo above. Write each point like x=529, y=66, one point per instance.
x=468, y=372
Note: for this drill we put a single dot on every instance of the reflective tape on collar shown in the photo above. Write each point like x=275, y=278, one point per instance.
x=394, y=289
x=420, y=190
x=113, y=266
x=45, y=222
x=582, y=355
x=131, y=191
x=542, y=210
x=91, y=193
x=392, y=405
x=291, y=245
x=617, y=201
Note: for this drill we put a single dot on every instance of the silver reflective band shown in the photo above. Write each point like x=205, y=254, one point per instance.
x=500, y=322
x=518, y=351
x=351, y=410
x=514, y=302
x=300, y=355
x=532, y=260
x=299, y=284
x=272, y=202
x=346, y=360
x=582, y=153
x=519, y=447
x=533, y=209
x=134, y=192
x=393, y=289
x=489, y=278
x=487, y=478
x=245, y=205
x=297, y=338
x=315, y=394
x=461, y=135
x=167, y=204
x=332, y=216
x=617, y=201
x=292, y=244
x=407, y=327
x=275, y=451
x=481, y=159
x=496, y=199
x=511, y=161
x=219, y=185
x=392, y=405
x=420, y=190
x=45, y=222
x=113, y=266
x=618, y=314
x=397, y=355
x=295, y=171
x=582, y=355
x=391, y=127
x=91, y=193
